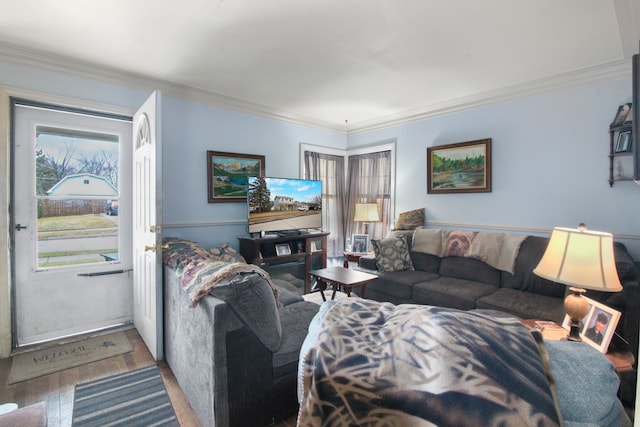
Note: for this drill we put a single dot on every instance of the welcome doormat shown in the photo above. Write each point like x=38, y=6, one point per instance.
x=53, y=359
x=133, y=399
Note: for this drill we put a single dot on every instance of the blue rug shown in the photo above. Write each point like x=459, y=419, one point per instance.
x=133, y=399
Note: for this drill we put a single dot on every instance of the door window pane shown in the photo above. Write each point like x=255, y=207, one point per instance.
x=77, y=196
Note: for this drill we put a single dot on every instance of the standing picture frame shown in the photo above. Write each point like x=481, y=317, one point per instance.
x=227, y=175
x=316, y=245
x=624, y=142
x=283, y=249
x=598, y=326
x=463, y=167
x=359, y=243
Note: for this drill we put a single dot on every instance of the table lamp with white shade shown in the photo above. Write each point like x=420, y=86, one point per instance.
x=366, y=213
x=581, y=259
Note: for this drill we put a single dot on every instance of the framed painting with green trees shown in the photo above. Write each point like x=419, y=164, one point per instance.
x=227, y=175
x=464, y=167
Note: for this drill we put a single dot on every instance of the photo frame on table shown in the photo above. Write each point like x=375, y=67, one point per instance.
x=598, y=326
x=227, y=175
x=316, y=245
x=283, y=249
x=624, y=142
x=359, y=243
x=463, y=167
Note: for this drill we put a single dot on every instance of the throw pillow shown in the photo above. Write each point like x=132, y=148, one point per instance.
x=410, y=220
x=226, y=253
x=392, y=254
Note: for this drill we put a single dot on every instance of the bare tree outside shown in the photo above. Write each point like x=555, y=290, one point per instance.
x=77, y=176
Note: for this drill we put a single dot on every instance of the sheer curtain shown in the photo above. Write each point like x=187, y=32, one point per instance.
x=369, y=182
x=330, y=170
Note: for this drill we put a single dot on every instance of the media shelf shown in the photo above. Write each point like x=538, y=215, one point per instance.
x=268, y=252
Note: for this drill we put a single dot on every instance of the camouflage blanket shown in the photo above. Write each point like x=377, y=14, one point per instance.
x=377, y=364
x=199, y=270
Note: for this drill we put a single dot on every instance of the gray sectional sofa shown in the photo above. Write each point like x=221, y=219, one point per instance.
x=470, y=283
x=232, y=337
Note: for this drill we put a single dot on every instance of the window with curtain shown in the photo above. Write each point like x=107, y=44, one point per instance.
x=370, y=181
x=329, y=169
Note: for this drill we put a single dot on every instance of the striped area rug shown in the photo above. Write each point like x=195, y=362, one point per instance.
x=133, y=399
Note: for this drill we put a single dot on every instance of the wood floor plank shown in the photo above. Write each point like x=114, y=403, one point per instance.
x=57, y=388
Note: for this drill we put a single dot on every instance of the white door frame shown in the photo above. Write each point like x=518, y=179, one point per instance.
x=54, y=302
x=6, y=276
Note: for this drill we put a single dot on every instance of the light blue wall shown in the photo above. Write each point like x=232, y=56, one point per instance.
x=550, y=163
x=189, y=130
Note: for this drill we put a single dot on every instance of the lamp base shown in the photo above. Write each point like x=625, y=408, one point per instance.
x=576, y=307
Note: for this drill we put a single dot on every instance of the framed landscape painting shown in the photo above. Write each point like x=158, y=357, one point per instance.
x=464, y=167
x=227, y=175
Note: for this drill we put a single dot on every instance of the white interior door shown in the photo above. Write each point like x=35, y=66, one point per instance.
x=72, y=261
x=147, y=217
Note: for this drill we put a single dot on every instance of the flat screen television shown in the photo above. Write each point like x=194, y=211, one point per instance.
x=283, y=205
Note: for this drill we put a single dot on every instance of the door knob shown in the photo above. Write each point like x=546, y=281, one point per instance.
x=149, y=248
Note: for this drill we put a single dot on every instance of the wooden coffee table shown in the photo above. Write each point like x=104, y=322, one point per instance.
x=340, y=277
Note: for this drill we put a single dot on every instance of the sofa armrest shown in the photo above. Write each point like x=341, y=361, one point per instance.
x=631, y=314
x=195, y=349
x=368, y=262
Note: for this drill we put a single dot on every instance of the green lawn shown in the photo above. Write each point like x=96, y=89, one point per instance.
x=75, y=222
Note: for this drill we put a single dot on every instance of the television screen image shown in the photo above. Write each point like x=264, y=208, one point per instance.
x=283, y=204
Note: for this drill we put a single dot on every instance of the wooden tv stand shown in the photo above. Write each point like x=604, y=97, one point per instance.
x=311, y=248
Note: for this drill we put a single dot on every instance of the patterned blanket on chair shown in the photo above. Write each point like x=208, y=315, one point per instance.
x=377, y=364
x=199, y=270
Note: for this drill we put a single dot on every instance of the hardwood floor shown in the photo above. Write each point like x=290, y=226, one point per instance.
x=57, y=389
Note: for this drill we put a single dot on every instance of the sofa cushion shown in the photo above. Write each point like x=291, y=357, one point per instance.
x=295, y=319
x=525, y=305
x=425, y=262
x=392, y=254
x=469, y=269
x=624, y=263
x=523, y=278
x=399, y=283
x=251, y=298
x=288, y=293
x=450, y=292
x=410, y=220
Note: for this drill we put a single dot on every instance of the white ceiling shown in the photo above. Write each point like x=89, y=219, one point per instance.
x=325, y=62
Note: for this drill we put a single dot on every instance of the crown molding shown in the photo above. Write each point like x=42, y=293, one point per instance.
x=79, y=68
x=56, y=63
x=616, y=69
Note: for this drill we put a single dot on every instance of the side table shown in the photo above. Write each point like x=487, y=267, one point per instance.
x=353, y=257
x=622, y=360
